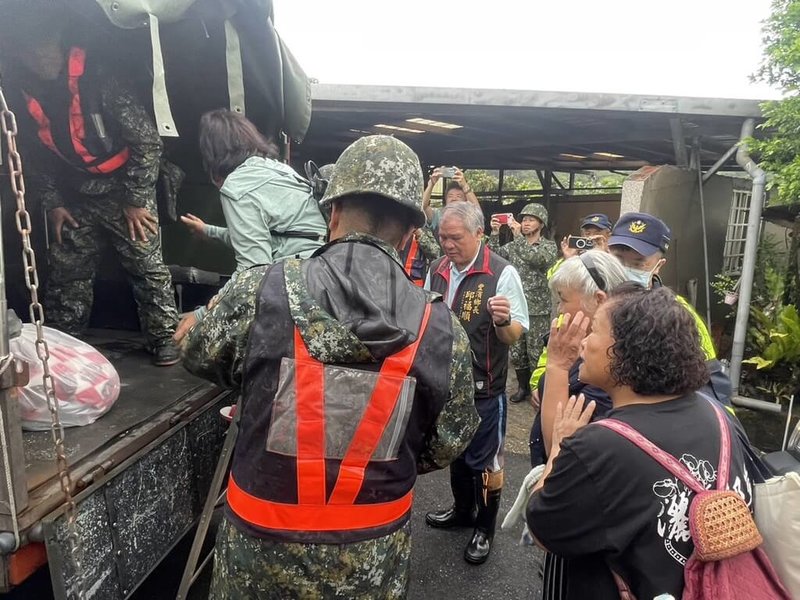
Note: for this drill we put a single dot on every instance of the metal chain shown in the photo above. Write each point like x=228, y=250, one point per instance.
x=23, y=219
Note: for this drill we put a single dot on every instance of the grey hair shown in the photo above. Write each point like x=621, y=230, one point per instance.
x=470, y=214
x=574, y=275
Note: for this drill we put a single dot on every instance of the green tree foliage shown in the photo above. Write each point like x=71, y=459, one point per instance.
x=779, y=152
x=489, y=181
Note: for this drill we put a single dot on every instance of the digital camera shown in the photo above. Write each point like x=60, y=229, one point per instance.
x=580, y=243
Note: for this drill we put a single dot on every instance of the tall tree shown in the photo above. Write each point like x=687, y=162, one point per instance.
x=779, y=150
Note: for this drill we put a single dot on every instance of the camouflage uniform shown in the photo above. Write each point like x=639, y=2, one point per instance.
x=428, y=245
x=251, y=567
x=532, y=262
x=97, y=203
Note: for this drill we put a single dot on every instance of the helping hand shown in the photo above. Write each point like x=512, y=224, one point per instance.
x=195, y=224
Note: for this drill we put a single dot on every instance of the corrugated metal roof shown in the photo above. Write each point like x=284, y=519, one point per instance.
x=517, y=129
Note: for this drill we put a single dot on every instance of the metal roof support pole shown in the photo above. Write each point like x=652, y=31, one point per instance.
x=698, y=165
x=678, y=142
x=723, y=159
x=500, y=176
x=548, y=185
x=750, y=252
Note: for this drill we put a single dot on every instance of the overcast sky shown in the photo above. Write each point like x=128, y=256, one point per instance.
x=680, y=47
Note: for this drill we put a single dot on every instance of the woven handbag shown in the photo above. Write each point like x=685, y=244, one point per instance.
x=728, y=562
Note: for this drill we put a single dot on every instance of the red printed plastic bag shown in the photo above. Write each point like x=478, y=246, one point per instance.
x=86, y=383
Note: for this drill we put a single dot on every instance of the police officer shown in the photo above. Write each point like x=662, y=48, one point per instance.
x=532, y=255
x=640, y=241
x=353, y=380
x=596, y=226
x=99, y=155
x=486, y=294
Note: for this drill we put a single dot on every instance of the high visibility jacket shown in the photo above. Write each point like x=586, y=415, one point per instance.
x=86, y=146
x=327, y=453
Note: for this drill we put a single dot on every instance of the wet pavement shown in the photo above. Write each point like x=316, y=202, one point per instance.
x=438, y=569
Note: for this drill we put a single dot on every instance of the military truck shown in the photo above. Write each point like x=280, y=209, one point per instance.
x=104, y=503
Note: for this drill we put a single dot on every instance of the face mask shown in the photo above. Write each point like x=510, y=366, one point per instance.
x=643, y=278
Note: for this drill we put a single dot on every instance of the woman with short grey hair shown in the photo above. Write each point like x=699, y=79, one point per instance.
x=580, y=285
x=583, y=277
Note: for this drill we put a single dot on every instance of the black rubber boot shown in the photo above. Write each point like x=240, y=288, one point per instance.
x=524, y=387
x=464, y=510
x=481, y=543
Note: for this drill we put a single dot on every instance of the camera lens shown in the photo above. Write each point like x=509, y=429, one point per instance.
x=580, y=244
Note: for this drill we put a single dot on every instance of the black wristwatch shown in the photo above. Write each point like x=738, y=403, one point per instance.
x=505, y=323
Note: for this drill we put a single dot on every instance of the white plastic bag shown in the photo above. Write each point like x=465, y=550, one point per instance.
x=86, y=383
x=778, y=520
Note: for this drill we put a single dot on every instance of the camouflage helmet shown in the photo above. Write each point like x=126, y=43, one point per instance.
x=535, y=210
x=382, y=165
x=325, y=171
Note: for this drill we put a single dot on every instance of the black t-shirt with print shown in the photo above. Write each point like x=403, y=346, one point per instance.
x=607, y=502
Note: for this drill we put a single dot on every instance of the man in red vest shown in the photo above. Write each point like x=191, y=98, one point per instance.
x=353, y=381
x=485, y=293
x=98, y=162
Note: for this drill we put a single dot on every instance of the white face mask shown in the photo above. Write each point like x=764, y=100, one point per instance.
x=643, y=278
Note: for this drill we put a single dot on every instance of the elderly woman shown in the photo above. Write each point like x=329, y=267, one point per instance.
x=603, y=503
x=582, y=284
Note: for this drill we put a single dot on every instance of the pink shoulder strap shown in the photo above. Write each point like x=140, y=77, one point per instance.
x=669, y=462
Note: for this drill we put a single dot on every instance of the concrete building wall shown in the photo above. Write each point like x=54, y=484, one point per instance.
x=671, y=193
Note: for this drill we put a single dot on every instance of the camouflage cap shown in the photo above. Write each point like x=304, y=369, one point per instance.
x=382, y=165
x=535, y=210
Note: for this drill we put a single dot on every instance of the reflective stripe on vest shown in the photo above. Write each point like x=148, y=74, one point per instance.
x=412, y=254
x=313, y=512
x=77, y=125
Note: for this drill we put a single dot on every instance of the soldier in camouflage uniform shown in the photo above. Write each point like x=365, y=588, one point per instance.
x=350, y=305
x=98, y=162
x=532, y=255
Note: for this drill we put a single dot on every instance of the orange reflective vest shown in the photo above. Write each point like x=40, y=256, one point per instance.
x=414, y=264
x=314, y=511
x=78, y=155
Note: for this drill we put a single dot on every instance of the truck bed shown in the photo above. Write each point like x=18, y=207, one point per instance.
x=152, y=400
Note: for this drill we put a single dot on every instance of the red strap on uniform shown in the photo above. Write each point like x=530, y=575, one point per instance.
x=45, y=133
x=298, y=517
x=309, y=386
x=412, y=253
x=376, y=417
x=76, y=65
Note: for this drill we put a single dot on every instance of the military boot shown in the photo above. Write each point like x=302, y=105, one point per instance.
x=463, y=511
x=524, y=387
x=480, y=545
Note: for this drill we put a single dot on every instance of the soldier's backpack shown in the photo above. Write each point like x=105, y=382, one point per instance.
x=728, y=562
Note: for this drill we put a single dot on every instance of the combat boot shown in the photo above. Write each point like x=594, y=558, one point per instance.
x=464, y=510
x=480, y=545
x=524, y=387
